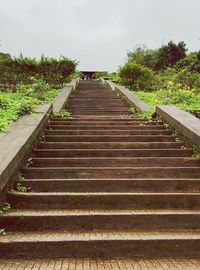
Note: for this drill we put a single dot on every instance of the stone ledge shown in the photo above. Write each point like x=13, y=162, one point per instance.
x=129, y=96
x=111, y=84
x=132, y=99
x=62, y=99
x=184, y=122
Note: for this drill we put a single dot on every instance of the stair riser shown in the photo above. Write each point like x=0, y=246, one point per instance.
x=91, y=106
x=111, y=201
x=100, y=222
x=95, y=104
x=98, y=112
x=93, y=119
x=108, y=127
x=109, y=145
x=106, y=132
x=95, y=123
x=100, y=173
x=82, y=97
x=113, y=185
x=136, y=162
x=109, y=249
x=113, y=153
x=57, y=138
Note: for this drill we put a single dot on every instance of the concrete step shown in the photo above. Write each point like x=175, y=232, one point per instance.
x=109, y=145
x=112, y=152
x=171, y=185
x=105, y=127
x=104, y=122
x=73, y=220
x=116, y=162
x=109, y=138
x=92, y=106
x=111, y=172
x=106, y=200
x=107, y=132
x=95, y=120
x=99, y=112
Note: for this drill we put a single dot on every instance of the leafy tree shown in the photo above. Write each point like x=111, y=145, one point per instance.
x=170, y=54
x=143, y=56
x=191, y=62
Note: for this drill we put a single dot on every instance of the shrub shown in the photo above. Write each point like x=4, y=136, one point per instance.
x=188, y=79
x=137, y=77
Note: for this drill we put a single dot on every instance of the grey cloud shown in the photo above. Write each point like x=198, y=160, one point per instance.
x=96, y=32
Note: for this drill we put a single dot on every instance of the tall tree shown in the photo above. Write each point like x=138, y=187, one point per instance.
x=170, y=54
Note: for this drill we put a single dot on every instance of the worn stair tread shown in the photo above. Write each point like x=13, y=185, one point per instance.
x=100, y=235
x=114, y=179
x=113, y=168
x=120, y=158
x=77, y=152
x=95, y=212
x=90, y=194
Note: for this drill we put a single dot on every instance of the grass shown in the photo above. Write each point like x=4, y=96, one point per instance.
x=184, y=99
x=14, y=105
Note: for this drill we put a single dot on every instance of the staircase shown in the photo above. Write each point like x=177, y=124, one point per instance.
x=105, y=184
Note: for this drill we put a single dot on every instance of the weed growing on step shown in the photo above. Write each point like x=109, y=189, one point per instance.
x=20, y=178
x=132, y=110
x=21, y=188
x=29, y=162
x=19, y=185
x=2, y=232
x=5, y=208
x=41, y=138
x=147, y=115
x=63, y=114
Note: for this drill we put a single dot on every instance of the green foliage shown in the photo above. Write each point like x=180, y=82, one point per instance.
x=21, y=188
x=5, y=208
x=101, y=74
x=184, y=99
x=191, y=62
x=63, y=114
x=143, y=56
x=188, y=79
x=170, y=54
x=14, y=105
x=14, y=70
x=136, y=76
x=2, y=232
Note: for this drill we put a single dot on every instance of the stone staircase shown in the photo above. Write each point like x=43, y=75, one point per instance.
x=105, y=184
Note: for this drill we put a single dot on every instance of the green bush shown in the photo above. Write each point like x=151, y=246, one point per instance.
x=190, y=62
x=188, y=79
x=137, y=77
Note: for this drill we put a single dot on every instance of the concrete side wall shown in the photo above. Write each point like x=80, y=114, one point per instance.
x=184, y=122
x=62, y=99
x=129, y=96
x=16, y=142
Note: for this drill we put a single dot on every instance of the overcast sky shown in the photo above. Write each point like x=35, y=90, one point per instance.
x=97, y=33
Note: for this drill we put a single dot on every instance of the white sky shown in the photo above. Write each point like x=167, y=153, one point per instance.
x=97, y=33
